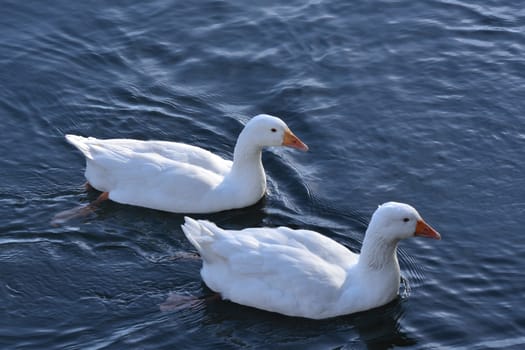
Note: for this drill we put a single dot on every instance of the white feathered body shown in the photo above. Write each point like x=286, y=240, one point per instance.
x=167, y=176
x=292, y=272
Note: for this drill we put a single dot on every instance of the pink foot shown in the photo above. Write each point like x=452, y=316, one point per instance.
x=180, y=302
x=88, y=187
x=70, y=214
x=185, y=256
x=78, y=212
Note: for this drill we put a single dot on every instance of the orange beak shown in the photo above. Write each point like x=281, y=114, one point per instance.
x=293, y=141
x=425, y=230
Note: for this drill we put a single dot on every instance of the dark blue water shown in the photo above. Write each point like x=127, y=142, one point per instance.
x=420, y=102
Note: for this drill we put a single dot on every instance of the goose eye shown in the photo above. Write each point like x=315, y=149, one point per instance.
x=406, y=219
x=274, y=129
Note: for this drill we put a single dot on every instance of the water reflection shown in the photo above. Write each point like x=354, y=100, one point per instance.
x=381, y=328
x=378, y=328
x=252, y=216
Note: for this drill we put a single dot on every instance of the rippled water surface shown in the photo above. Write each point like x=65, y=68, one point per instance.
x=420, y=102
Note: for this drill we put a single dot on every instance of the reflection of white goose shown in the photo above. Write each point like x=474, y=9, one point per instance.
x=303, y=273
x=182, y=178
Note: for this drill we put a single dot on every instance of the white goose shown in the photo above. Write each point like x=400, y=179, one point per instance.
x=181, y=178
x=303, y=273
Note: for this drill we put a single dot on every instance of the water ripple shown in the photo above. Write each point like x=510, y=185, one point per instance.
x=412, y=101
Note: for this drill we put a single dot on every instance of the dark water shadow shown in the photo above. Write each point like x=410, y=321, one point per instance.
x=379, y=328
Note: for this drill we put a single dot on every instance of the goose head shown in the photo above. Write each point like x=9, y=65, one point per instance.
x=265, y=130
x=391, y=223
x=396, y=221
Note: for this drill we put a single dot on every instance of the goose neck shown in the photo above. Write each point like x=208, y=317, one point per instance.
x=246, y=152
x=378, y=253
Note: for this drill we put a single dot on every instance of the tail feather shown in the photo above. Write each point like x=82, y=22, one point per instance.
x=197, y=233
x=80, y=143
